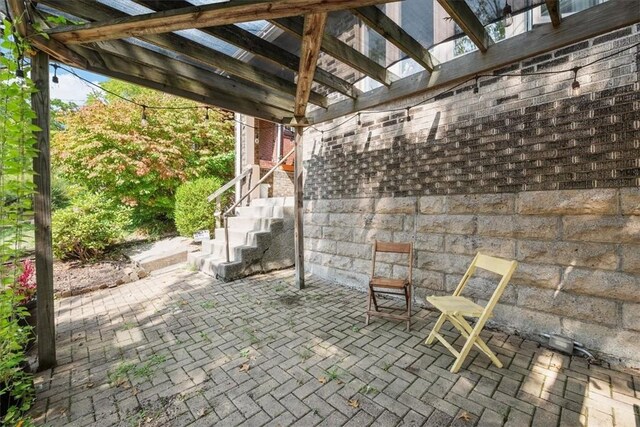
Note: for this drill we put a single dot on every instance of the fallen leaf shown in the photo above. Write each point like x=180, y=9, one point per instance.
x=464, y=416
x=354, y=403
x=340, y=382
x=202, y=412
x=245, y=367
x=322, y=380
x=89, y=385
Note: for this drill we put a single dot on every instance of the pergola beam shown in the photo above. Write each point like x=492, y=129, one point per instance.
x=256, y=45
x=151, y=77
x=334, y=47
x=587, y=24
x=462, y=14
x=224, y=13
x=387, y=28
x=313, y=30
x=553, y=6
x=214, y=81
x=86, y=9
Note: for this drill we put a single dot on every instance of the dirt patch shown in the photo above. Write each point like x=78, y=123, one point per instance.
x=75, y=277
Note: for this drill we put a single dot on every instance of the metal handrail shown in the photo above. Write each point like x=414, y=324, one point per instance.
x=225, y=216
x=217, y=195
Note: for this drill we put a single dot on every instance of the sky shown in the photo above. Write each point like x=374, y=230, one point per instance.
x=72, y=89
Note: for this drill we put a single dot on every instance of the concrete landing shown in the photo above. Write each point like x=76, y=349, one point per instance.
x=161, y=254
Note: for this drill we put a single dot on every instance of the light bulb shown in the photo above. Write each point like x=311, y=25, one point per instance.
x=507, y=17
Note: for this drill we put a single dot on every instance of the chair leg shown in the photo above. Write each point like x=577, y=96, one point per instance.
x=408, y=297
x=373, y=297
x=436, y=328
x=366, y=317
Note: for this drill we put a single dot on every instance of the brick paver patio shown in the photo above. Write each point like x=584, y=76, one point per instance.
x=183, y=349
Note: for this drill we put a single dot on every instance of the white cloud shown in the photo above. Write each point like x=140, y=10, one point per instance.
x=71, y=89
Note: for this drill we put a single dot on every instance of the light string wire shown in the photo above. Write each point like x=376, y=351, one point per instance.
x=475, y=78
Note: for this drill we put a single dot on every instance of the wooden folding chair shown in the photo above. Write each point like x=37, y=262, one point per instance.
x=455, y=308
x=390, y=286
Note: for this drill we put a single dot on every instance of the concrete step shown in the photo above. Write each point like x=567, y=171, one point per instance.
x=260, y=211
x=250, y=223
x=273, y=201
x=236, y=237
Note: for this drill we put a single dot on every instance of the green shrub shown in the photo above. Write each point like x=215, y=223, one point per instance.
x=87, y=227
x=193, y=212
x=222, y=165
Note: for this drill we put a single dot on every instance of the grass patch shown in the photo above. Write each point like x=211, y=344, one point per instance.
x=367, y=389
x=251, y=335
x=123, y=371
x=305, y=354
x=209, y=304
x=334, y=373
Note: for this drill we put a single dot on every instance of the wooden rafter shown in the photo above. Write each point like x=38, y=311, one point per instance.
x=86, y=9
x=214, y=81
x=224, y=13
x=333, y=46
x=553, y=6
x=589, y=23
x=313, y=30
x=383, y=25
x=124, y=69
x=462, y=14
x=258, y=46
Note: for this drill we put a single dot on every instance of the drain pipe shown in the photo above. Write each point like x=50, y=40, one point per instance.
x=238, y=147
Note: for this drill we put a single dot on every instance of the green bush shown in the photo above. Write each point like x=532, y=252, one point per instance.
x=193, y=212
x=87, y=227
x=222, y=165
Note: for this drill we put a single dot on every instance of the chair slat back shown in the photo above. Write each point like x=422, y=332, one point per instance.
x=392, y=247
x=402, y=248
x=497, y=265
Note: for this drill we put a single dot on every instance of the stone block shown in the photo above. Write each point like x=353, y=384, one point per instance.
x=336, y=233
x=608, y=229
x=427, y=279
x=451, y=224
x=321, y=245
x=631, y=316
x=610, y=341
x=501, y=203
x=337, y=261
x=346, y=220
x=568, y=202
x=342, y=206
x=316, y=218
x=384, y=221
x=354, y=250
x=598, y=310
x=526, y=322
x=368, y=235
x=606, y=284
x=432, y=204
x=630, y=201
x=542, y=276
x=471, y=245
x=446, y=263
x=480, y=288
x=630, y=258
x=396, y=205
x=593, y=255
x=313, y=231
x=518, y=227
x=429, y=242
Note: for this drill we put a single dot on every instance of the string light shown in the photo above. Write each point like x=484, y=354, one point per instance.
x=144, y=121
x=359, y=121
x=55, y=74
x=19, y=70
x=408, y=117
x=575, y=86
x=206, y=113
x=507, y=16
x=476, y=88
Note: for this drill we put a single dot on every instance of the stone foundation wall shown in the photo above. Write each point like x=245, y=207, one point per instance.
x=578, y=254
x=522, y=170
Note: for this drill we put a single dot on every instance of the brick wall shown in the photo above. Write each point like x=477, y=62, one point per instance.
x=521, y=170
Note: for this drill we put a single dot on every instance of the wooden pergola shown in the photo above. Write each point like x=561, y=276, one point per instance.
x=151, y=50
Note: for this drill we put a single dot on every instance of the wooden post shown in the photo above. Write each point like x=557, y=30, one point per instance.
x=42, y=209
x=298, y=189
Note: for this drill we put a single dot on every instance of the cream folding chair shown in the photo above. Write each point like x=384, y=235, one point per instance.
x=455, y=308
x=390, y=286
